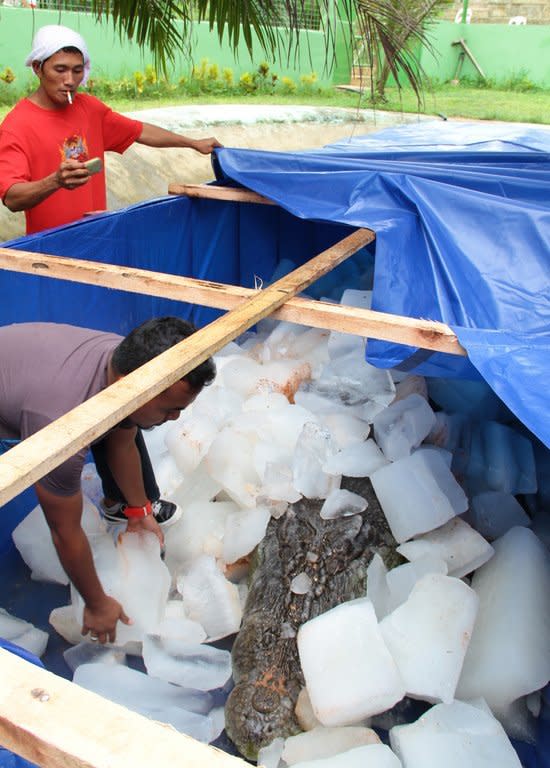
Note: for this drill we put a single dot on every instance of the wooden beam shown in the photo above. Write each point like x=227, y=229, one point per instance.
x=38, y=454
x=57, y=724
x=465, y=50
x=426, y=334
x=213, y=192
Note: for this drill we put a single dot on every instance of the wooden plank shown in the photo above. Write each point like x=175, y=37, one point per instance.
x=212, y=192
x=426, y=334
x=465, y=50
x=57, y=724
x=46, y=449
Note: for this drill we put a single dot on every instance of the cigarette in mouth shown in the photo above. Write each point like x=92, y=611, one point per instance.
x=69, y=97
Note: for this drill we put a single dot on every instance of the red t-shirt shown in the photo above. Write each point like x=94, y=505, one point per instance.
x=34, y=141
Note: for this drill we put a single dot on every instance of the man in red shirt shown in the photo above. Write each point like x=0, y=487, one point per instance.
x=46, y=138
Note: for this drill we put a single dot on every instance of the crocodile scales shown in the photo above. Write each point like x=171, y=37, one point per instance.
x=335, y=555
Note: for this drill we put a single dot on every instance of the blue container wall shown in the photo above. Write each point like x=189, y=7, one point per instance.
x=227, y=243
x=214, y=241
x=12, y=514
x=202, y=239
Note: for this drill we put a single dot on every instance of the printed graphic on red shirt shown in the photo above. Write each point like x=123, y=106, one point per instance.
x=74, y=148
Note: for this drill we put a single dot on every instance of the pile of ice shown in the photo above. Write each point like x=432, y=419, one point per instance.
x=462, y=625
x=22, y=633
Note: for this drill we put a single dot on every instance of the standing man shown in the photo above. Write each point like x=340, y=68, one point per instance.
x=46, y=138
x=47, y=370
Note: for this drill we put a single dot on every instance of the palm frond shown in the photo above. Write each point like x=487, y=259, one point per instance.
x=261, y=19
x=396, y=27
x=163, y=26
x=158, y=25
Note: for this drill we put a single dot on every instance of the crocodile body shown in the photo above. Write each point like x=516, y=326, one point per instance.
x=334, y=554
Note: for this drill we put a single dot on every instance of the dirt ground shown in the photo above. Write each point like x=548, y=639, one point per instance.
x=143, y=172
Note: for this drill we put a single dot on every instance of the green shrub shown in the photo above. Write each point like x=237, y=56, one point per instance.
x=227, y=76
x=150, y=75
x=139, y=80
x=519, y=82
x=247, y=82
x=477, y=81
x=289, y=86
x=204, y=78
x=309, y=81
x=7, y=76
x=7, y=94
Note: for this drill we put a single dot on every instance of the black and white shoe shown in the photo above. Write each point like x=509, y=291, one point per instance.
x=166, y=513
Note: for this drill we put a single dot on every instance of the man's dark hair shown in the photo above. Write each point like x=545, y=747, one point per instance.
x=65, y=49
x=153, y=337
x=71, y=49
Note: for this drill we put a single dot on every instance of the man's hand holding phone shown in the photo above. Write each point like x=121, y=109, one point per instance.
x=94, y=165
x=72, y=174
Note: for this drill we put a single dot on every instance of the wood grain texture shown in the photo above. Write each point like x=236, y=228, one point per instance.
x=58, y=724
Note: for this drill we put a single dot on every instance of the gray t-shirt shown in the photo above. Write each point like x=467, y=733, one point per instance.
x=46, y=369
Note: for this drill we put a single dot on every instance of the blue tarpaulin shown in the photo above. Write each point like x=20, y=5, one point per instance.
x=462, y=220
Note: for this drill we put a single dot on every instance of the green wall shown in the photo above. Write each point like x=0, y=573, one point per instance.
x=501, y=51
x=112, y=59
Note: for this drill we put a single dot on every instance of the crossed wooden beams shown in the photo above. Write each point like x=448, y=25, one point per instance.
x=43, y=451
x=49, y=720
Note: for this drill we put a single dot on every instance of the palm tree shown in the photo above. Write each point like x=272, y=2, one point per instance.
x=406, y=34
x=163, y=26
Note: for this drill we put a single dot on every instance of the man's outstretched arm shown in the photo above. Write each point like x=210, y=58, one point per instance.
x=63, y=515
x=154, y=136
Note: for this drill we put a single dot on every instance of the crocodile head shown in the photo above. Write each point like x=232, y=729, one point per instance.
x=261, y=710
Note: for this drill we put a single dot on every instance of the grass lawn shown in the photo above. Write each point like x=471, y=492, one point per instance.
x=451, y=101
x=478, y=103
x=461, y=101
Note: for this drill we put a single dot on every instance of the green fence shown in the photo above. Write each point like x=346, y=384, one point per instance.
x=502, y=52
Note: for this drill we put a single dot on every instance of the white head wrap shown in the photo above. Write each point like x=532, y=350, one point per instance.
x=51, y=39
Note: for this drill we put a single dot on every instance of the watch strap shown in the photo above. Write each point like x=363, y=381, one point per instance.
x=138, y=511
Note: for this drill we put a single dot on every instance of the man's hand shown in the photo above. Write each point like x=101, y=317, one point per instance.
x=71, y=174
x=24, y=195
x=100, y=621
x=63, y=514
x=139, y=524
x=205, y=146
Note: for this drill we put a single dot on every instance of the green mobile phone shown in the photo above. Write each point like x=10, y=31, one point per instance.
x=94, y=165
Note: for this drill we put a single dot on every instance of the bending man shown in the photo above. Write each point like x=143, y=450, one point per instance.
x=47, y=370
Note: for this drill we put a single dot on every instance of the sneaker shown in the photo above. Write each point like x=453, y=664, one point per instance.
x=166, y=513
x=114, y=514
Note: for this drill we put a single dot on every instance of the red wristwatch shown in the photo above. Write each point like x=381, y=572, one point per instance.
x=138, y=511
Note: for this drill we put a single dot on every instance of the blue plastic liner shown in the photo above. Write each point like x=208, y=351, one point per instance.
x=461, y=214
x=462, y=220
